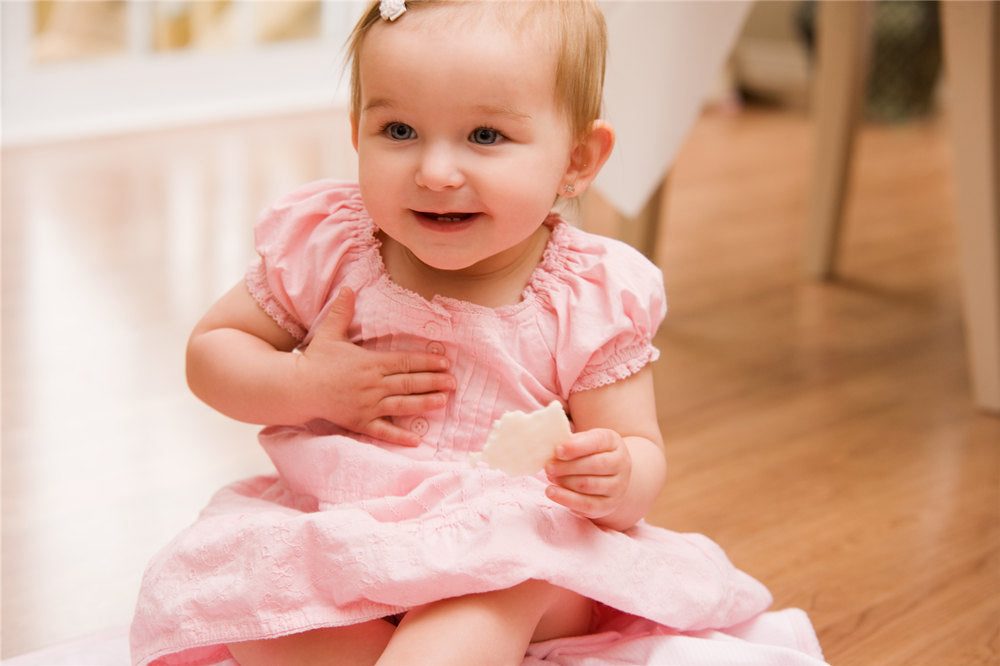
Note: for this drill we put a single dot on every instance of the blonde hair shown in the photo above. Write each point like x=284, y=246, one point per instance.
x=578, y=32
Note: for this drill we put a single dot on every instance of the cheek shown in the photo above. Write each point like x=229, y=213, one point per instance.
x=376, y=162
x=369, y=166
x=380, y=181
x=377, y=203
x=536, y=180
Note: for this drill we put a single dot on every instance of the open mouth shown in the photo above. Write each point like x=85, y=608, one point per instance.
x=445, y=218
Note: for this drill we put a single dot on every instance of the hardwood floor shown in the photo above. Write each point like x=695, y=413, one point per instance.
x=821, y=433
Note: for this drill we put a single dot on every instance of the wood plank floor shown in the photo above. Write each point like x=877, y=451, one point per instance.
x=821, y=433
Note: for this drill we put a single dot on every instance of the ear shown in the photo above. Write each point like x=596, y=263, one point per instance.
x=587, y=158
x=354, y=132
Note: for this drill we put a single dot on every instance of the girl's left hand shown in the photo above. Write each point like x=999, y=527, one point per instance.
x=590, y=473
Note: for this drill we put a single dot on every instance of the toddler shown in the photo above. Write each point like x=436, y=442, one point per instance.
x=386, y=325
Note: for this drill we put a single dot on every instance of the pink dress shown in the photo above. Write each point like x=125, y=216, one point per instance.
x=352, y=529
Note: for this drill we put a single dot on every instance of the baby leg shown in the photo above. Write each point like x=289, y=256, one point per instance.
x=355, y=645
x=493, y=628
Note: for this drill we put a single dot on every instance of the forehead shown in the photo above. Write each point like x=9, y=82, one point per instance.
x=477, y=46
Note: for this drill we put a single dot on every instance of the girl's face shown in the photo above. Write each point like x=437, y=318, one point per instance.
x=461, y=146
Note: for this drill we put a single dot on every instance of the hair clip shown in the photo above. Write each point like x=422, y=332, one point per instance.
x=391, y=9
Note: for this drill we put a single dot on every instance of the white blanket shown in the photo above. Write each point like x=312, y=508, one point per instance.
x=760, y=641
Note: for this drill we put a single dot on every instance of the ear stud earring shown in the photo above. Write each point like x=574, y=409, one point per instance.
x=569, y=189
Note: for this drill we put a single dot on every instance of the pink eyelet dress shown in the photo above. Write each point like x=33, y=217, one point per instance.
x=351, y=529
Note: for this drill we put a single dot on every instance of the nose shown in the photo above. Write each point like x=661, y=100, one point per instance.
x=438, y=168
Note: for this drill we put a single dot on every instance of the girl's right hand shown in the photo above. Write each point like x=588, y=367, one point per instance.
x=359, y=389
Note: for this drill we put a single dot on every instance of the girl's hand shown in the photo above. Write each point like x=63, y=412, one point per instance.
x=590, y=473
x=359, y=389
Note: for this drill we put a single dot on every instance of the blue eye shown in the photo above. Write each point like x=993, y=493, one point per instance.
x=485, y=136
x=399, y=131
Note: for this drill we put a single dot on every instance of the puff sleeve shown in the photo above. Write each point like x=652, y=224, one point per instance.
x=306, y=241
x=612, y=305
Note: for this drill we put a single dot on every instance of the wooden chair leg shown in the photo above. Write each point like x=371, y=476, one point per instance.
x=971, y=32
x=843, y=45
x=642, y=232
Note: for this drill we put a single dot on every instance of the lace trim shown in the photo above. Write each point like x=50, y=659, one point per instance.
x=361, y=231
x=621, y=365
x=256, y=281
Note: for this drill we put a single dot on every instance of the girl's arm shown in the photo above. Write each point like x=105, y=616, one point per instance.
x=240, y=362
x=612, y=468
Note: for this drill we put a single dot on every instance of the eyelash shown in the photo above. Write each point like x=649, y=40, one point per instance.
x=387, y=130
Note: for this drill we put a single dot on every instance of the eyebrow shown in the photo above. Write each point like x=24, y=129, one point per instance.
x=483, y=109
x=501, y=110
x=378, y=103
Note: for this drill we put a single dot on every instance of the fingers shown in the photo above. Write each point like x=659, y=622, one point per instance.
x=409, y=405
x=387, y=431
x=587, y=443
x=419, y=383
x=407, y=363
x=361, y=389
x=589, y=484
x=590, y=473
x=338, y=316
x=588, y=506
x=406, y=394
x=591, y=497
x=589, y=453
x=598, y=464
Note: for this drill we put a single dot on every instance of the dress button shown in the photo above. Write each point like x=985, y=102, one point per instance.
x=433, y=329
x=435, y=348
x=419, y=426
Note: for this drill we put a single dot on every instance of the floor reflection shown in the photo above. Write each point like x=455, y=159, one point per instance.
x=112, y=249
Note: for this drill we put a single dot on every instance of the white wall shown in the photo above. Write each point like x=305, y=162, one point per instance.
x=142, y=88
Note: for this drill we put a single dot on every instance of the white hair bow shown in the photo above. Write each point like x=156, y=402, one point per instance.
x=391, y=9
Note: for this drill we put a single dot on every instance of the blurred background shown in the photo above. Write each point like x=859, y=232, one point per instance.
x=113, y=65
x=140, y=138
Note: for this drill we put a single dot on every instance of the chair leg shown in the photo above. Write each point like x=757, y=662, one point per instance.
x=642, y=232
x=971, y=32
x=843, y=45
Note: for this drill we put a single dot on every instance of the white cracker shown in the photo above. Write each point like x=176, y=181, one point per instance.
x=520, y=443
